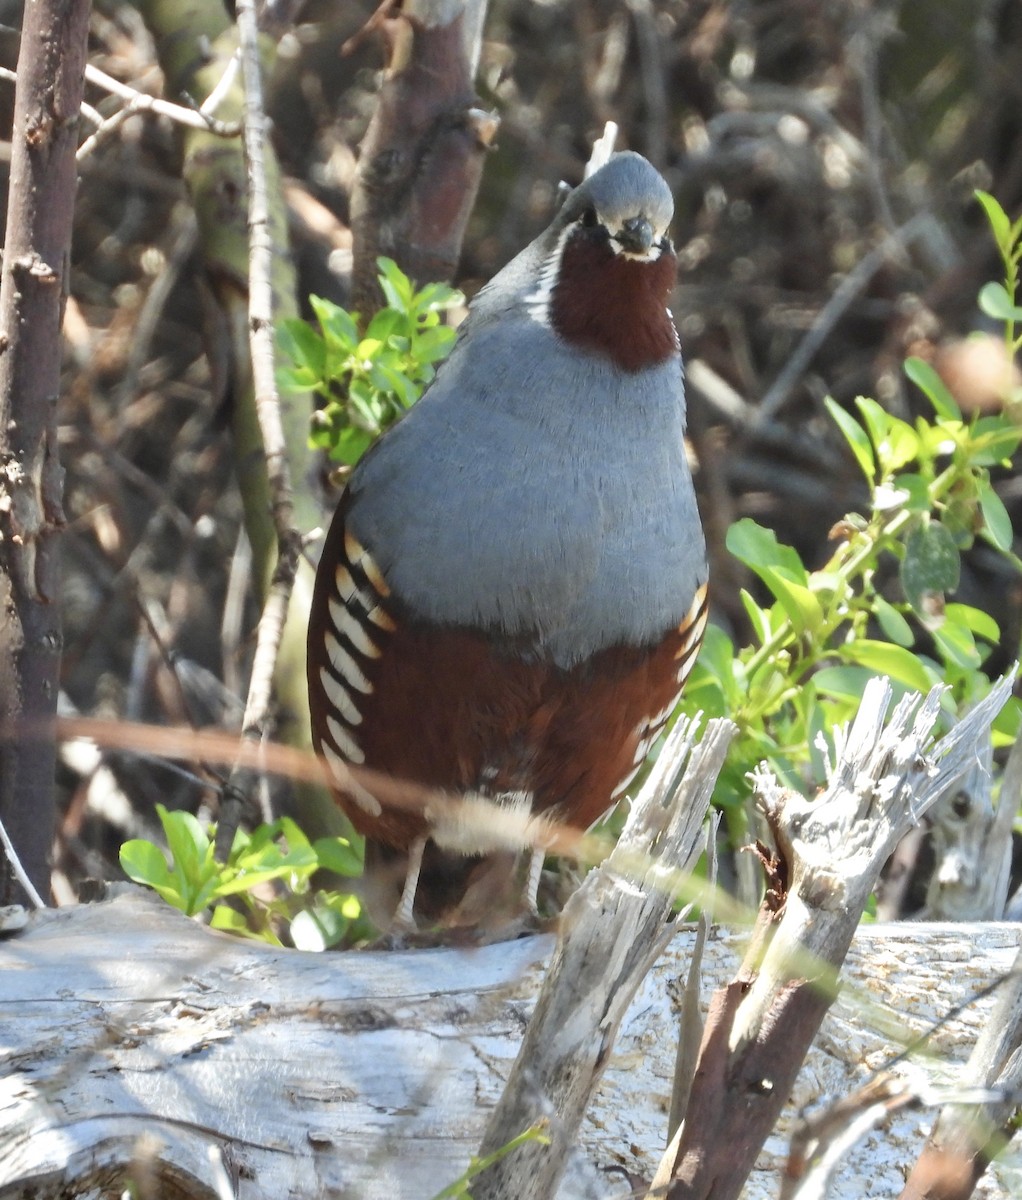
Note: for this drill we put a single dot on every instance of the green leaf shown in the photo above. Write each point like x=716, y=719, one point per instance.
x=884, y=659
x=386, y=322
x=393, y=382
x=436, y=297
x=434, y=344
x=758, y=547
x=1008, y=723
x=396, y=286
x=759, y=618
x=894, y=441
x=297, y=379
x=187, y=840
x=981, y=623
x=931, y=566
x=337, y=854
x=143, y=862
x=877, y=419
x=224, y=917
x=799, y=603
x=957, y=645
x=994, y=440
x=933, y=387
x=998, y=218
x=780, y=568
x=856, y=437
x=350, y=445
x=916, y=492
x=704, y=693
x=995, y=518
x=843, y=683
x=364, y=405
x=318, y=929
x=340, y=329
x=995, y=301
x=894, y=625
x=303, y=345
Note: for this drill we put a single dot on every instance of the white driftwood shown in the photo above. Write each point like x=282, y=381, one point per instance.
x=611, y=932
x=127, y=1030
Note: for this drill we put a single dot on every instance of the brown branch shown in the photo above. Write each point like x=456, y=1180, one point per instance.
x=48, y=101
x=422, y=156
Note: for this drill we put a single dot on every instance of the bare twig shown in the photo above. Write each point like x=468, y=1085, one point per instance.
x=603, y=148
x=196, y=118
x=654, y=84
x=289, y=543
x=421, y=159
x=17, y=870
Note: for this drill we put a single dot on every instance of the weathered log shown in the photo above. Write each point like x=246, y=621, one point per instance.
x=134, y=1040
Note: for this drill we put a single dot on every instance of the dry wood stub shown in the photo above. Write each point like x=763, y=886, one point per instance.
x=372, y=1075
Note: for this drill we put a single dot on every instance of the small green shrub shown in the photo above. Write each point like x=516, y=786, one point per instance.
x=367, y=380
x=268, y=874
x=826, y=632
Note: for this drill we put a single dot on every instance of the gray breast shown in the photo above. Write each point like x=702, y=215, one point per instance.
x=539, y=494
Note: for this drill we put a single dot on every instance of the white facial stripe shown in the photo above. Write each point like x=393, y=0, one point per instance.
x=339, y=697
x=346, y=667
x=537, y=303
x=651, y=255
x=344, y=742
x=348, y=625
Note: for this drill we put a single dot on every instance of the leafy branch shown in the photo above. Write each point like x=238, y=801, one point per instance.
x=880, y=604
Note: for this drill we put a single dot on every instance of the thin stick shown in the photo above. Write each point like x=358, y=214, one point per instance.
x=18, y=871
x=197, y=118
x=260, y=308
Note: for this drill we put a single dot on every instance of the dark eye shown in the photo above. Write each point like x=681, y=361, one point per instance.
x=590, y=219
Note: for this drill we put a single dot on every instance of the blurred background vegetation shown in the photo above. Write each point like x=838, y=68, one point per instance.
x=824, y=156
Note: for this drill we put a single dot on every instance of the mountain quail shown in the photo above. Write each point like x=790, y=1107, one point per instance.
x=513, y=588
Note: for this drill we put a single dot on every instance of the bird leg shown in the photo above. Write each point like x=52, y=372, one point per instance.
x=404, y=916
